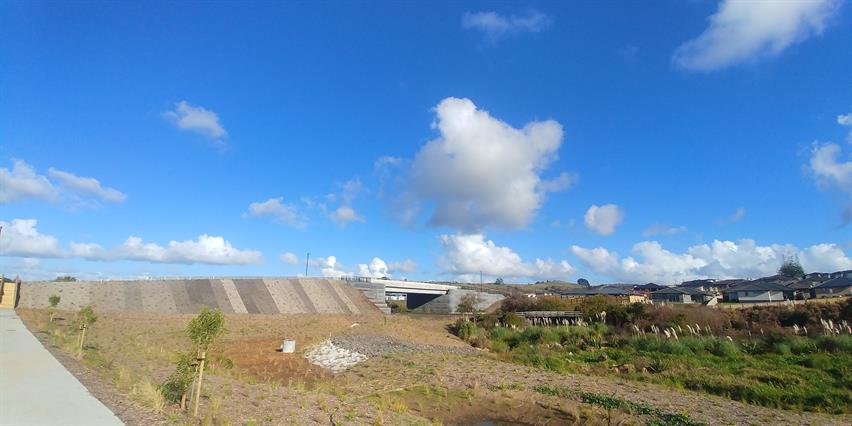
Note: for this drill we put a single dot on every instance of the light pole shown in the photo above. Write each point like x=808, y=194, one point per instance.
x=307, y=258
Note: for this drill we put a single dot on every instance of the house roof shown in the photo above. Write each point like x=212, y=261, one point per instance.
x=649, y=286
x=681, y=290
x=597, y=290
x=838, y=282
x=697, y=283
x=803, y=284
x=758, y=285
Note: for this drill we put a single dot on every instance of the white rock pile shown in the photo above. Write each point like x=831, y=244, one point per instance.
x=332, y=357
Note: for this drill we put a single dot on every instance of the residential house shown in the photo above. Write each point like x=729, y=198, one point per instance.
x=758, y=291
x=840, y=286
x=605, y=290
x=707, y=285
x=648, y=288
x=803, y=289
x=681, y=295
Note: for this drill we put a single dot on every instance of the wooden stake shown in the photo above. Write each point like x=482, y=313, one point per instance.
x=198, y=388
x=82, y=341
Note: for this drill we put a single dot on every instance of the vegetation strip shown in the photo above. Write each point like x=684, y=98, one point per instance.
x=611, y=403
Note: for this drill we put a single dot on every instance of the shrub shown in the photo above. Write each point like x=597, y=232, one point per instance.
x=466, y=329
x=724, y=349
x=835, y=343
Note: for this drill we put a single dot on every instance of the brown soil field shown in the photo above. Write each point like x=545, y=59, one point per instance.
x=127, y=355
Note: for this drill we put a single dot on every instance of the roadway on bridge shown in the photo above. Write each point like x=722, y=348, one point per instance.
x=35, y=389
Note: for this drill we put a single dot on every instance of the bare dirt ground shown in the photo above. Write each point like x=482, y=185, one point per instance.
x=445, y=382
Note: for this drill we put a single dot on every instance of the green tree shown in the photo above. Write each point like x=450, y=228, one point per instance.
x=53, y=300
x=85, y=318
x=65, y=278
x=203, y=331
x=791, y=268
x=176, y=386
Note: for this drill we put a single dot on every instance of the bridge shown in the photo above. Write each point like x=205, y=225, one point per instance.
x=424, y=297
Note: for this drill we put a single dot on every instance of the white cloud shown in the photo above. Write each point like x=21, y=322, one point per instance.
x=23, y=182
x=495, y=26
x=663, y=229
x=206, y=249
x=828, y=170
x=604, y=219
x=720, y=259
x=289, y=258
x=746, y=30
x=845, y=119
x=86, y=185
x=199, y=120
x=406, y=266
x=481, y=171
x=735, y=217
x=279, y=211
x=377, y=268
x=345, y=215
x=330, y=267
x=21, y=238
x=469, y=254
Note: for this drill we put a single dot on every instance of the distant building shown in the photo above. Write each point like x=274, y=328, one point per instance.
x=803, y=289
x=841, y=274
x=707, y=285
x=681, y=295
x=840, y=286
x=605, y=290
x=758, y=291
x=648, y=288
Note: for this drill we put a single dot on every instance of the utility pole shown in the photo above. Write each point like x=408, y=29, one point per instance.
x=307, y=258
x=480, y=281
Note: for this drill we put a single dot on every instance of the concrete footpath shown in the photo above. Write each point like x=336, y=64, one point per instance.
x=35, y=389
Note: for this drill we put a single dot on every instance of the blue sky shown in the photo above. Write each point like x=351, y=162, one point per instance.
x=615, y=141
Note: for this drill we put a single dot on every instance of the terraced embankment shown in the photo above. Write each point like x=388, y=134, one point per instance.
x=187, y=296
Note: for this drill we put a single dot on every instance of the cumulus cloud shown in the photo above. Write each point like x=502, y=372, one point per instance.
x=198, y=120
x=20, y=237
x=481, y=171
x=832, y=173
x=828, y=170
x=746, y=30
x=206, y=249
x=604, y=219
x=86, y=185
x=720, y=259
x=279, y=211
x=663, y=229
x=330, y=267
x=289, y=258
x=495, y=26
x=467, y=254
x=377, y=268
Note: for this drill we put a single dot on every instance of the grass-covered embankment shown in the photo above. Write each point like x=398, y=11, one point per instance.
x=778, y=371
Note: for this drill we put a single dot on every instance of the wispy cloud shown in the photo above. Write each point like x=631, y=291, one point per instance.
x=735, y=217
x=22, y=182
x=663, y=229
x=494, y=26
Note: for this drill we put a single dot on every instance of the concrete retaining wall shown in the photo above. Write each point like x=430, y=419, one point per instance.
x=187, y=296
x=449, y=303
